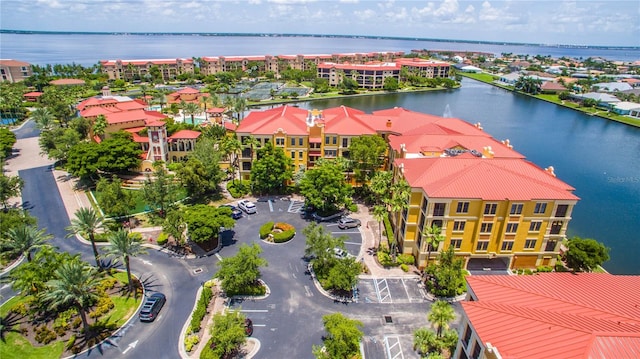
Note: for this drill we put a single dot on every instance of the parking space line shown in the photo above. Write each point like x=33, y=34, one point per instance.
x=254, y=310
x=259, y=325
x=348, y=232
x=270, y=206
x=395, y=347
x=404, y=285
x=354, y=243
x=381, y=287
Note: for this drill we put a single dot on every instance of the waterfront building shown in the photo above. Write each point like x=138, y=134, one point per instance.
x=14, y=70
x=372, y=75
x=130, y=70
x=495, y=208
x=550, y=315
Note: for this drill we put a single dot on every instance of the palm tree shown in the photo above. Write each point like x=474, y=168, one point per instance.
x=204, y=101
x=239, y=106
x=441, y=315
x=424, y=340
x=100, y=125
x=87, y=222
x=191, y=109
x=160, y=98
x=24, y=240
x=432, y=237
x=43, y=117
x=75, y=284
x=379, y=212
x=122, y=246
x=231, y=146
x=400, y=193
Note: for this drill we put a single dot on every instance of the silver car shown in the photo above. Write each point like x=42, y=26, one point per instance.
x=247, y=206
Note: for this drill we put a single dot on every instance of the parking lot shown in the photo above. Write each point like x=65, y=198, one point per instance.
x=289, y=321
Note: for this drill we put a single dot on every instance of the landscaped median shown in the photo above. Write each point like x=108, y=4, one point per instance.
x=210, y=313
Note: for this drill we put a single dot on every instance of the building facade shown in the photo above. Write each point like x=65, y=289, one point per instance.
x=14, y=70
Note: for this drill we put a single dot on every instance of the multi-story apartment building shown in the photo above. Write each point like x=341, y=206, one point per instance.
x=495, y=208
x=210, y=65
x=125, y=114
x=550, y=315
x=14, y=70
x=130, y=70
x=371, y=75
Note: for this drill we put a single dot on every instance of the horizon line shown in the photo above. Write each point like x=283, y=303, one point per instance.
x=259, y=34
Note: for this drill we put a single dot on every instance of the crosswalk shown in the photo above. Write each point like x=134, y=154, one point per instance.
x=295, y=206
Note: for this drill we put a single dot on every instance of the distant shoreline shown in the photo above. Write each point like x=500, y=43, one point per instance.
x=371, y=37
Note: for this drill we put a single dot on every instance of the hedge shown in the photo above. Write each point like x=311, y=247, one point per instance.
x=284, y=236
x=265, y=229
x=162, y=239
x=406, y=259
x=201, y=310
x=388, y=229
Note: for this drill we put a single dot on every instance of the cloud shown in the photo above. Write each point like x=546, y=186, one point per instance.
x=364, y=15
x=50, y=3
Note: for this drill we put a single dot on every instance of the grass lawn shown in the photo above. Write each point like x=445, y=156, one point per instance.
x=140, y=205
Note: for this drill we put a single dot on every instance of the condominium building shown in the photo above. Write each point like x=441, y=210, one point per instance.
x=495, y=208
x=550, y=315
x=142, y=70
x=14, y=70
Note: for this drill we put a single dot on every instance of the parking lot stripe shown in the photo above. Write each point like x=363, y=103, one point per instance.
x=254, y=310
x=270, y=206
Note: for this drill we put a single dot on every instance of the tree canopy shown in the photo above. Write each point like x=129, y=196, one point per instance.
x=324, y=187
x=204, y=222
x=342, y=339
x=585, y=254
x=366, y=153
x=239, y=273
x=446, y=278
x=7, y=140
x=227, y=332
x=271, y=170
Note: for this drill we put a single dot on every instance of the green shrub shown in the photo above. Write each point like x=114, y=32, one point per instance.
x=528, y=271
x=201, y=310
x=544, y=269
x=406, y=259
x=104, y=305
x=283, y=226
x=71, y=342
x=388, y=229
x=404, y=267
x=238, y=189
x=76, y=323
x=385, y=259
x=20, y=308
x=190, y=341
x=162, y=239
x=44, y=335
x=353, y=208
x=560, y=267
x=105, y=284
x=252, y=290
x=265, y=229
x=283, y=236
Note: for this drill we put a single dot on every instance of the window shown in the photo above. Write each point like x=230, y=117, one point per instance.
x=246, y=166
x=551, y=245
x=300, y=141
x=327, y=139
x=458, y=226
x=345, y=142
x=293, y=155
x=293, y=141
x=530, y=244
x=436, y=223
x=330, y=153
x=512, y=227
x=421, y=222
x=246, y=152
x=463, y=207
x=486, y=227
x=476, y=351
x=516, y=209
x=301, y=154
x=335, y=140
x=535, y=226
x=467, y=335
x=507, y=246
x=280, y=141
x=438, y=209
x=482, y=246
x=490, y=208
x=540, y=208
x=556, y=227
x=424, y=204
x=562, y=210
x=456, y=243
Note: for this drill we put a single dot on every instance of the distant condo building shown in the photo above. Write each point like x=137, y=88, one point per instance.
x=14, y=70
x=169, y=69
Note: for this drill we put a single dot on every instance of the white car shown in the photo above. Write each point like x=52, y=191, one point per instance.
x=247, y=206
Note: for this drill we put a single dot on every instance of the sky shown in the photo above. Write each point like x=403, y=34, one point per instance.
x=575, y=22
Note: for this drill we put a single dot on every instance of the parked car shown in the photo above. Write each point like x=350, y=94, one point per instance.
x=340, y=253
x=235, y=212
x=151, y=307
x=248, y=327
x=247, y=206
x=348, y=222
x=326, y=218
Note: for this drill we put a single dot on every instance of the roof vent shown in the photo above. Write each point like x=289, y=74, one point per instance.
x=389, y=123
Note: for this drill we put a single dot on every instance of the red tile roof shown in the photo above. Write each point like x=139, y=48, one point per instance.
x=439, y=142
x=291, y=120
x=185, y=134
x=490, y=179
x=13, y=63
x=33, y=94
x=564, y=315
